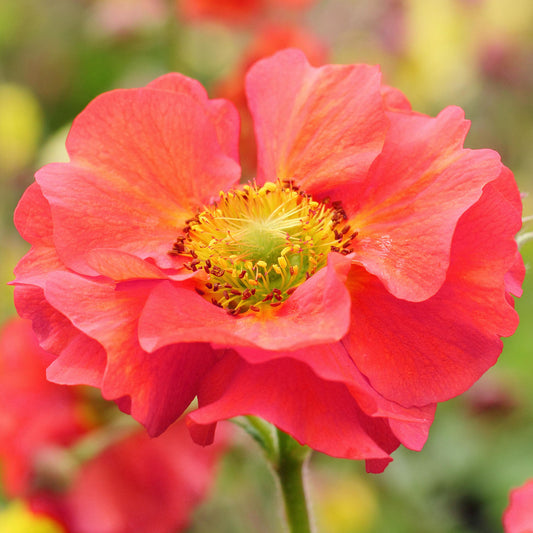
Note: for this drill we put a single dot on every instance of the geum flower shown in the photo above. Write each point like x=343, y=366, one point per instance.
x=363, y=277
x=119, y=480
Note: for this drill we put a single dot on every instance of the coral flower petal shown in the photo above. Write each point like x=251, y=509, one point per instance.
x=515, y=277
x=34, y=267
x=139, y=154
x=416, y=361
x=394, y=99
x=319, y=126
x=332, y=363
x=162, y=384
x=223, y=113
x=81, y=360
x=419, y=186
x=330, y=422
x=317, y=312
x=122, y=266
x=33, y=220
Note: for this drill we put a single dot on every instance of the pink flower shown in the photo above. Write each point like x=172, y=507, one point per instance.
x=364, y=277
x=267, y=40
x=34, y=412
x=128, y=483
x=518, y=517
x=235, y=11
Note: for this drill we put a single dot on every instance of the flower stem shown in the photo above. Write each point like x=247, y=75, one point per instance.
x=289, y=461
x=290, y=467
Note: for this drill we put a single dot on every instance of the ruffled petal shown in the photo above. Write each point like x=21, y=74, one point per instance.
x=332, y=362
x=415, y=193
x=122, y=266
x=33, y=218
x=426, y=352
x=160, y=385
x=142, y=161
x=80, y=359
x=223, y=113
x=317, y=312
x=48, y=323
x=286, y=393
x=394, y=99
x=81, y=362
x=515, y=277
x=321, y=127
x=34, y=267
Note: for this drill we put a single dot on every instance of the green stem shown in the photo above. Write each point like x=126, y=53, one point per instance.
x=292, y=461
x=289, y=461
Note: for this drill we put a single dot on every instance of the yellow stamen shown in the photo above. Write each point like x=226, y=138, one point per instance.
x=252, y=249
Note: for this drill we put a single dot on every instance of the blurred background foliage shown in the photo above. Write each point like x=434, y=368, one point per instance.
x=56, y=56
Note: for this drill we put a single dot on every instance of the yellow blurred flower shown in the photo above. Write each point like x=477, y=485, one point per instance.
x=20, y=127
x=344, y=505
x=17, y=518
x=11, y=249
x=443, y=41
x=497, y=16
x=438, y=51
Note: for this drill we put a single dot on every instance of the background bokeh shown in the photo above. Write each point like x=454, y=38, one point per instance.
x=55, y=56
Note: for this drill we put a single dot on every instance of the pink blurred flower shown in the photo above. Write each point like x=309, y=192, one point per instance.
x=507, y=62
x=518, y=517
x=133, y=483
x=267, y=40
x=365, y=276
x=235, y=11
x=123, y=17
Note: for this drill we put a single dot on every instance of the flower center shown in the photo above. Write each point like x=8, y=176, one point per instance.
x=255, y=246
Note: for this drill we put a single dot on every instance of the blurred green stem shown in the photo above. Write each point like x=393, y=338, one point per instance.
x=292, y=461
x=289, y=460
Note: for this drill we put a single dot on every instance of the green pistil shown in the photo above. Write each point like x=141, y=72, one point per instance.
x=255, y=246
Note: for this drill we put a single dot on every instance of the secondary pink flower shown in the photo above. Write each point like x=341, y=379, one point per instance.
x=34, y=412
x=235, y=11
x=364, y=277
x=267, y=40
x=117, y=18
x=518, y=517
x=133, y=483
